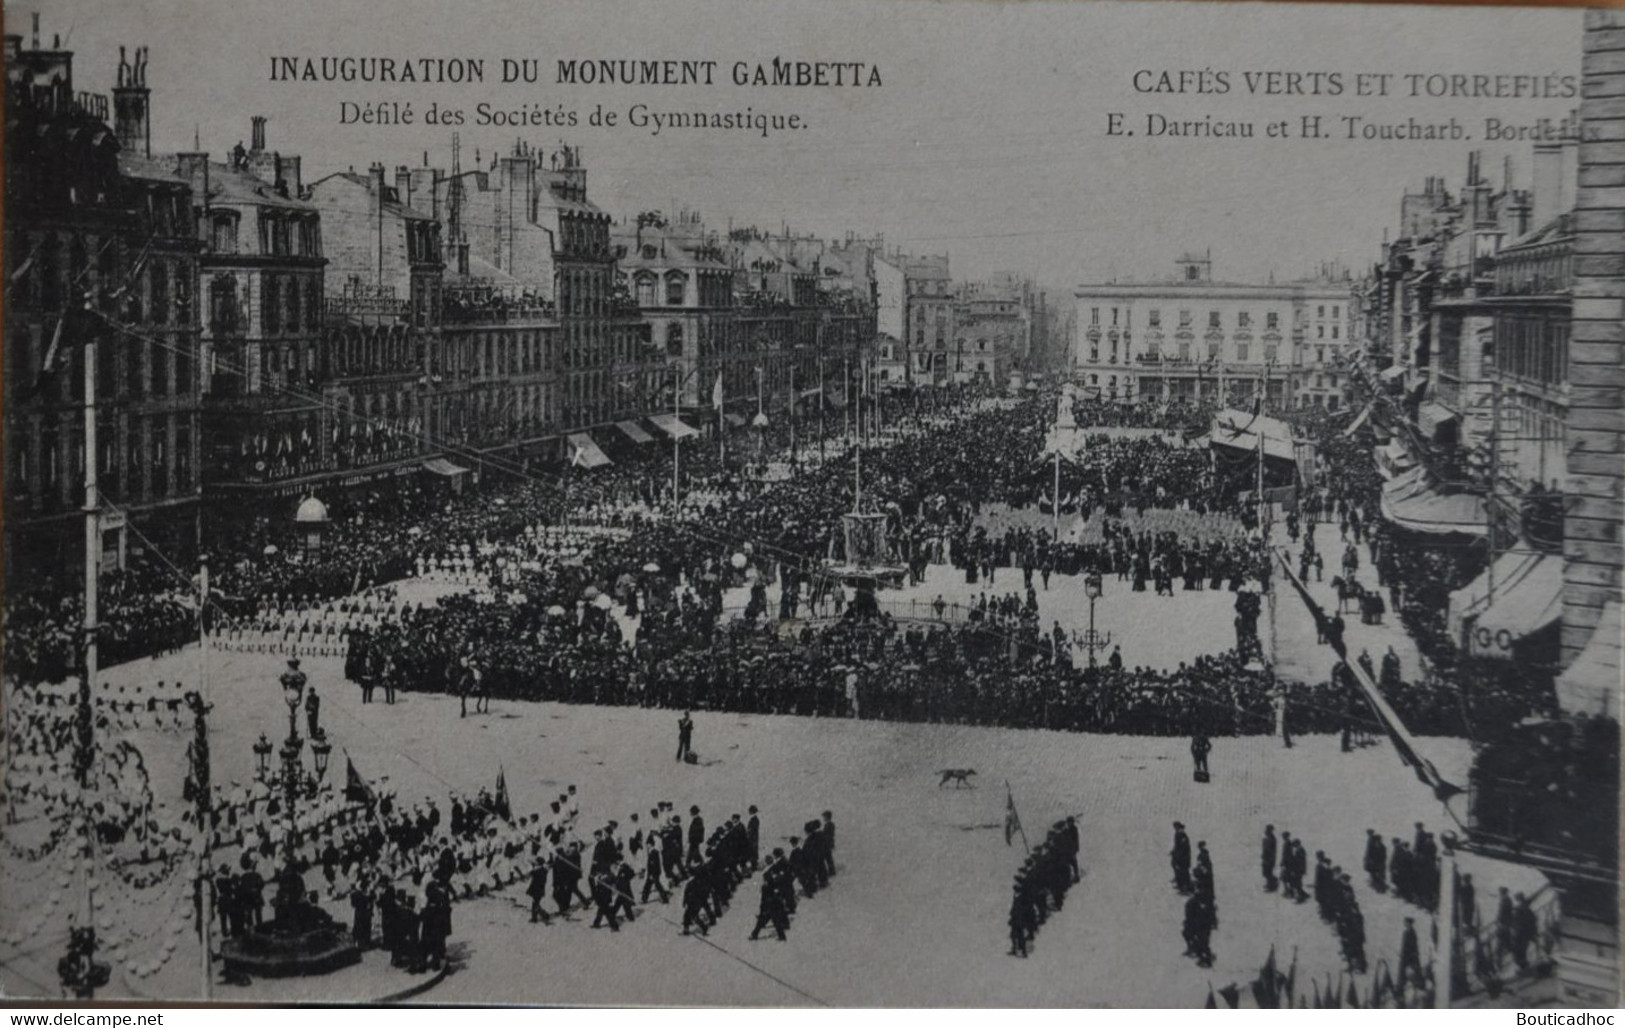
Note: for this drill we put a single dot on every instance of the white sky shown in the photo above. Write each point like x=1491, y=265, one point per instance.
x=987, y=140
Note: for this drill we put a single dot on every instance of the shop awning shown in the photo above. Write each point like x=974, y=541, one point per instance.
x=1409, y=502
x=442, y=466
x=1354, y=426
x=585, y=453
x=1240, y=430
x=1393, y=459
x=1432, y=415
x=673, y=426
x=633, y=431
x=1527, y=596
x=1591, y=685
x=736, y=420
x=1389, y=374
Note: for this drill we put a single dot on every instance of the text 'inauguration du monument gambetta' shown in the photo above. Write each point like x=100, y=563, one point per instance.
x=393, y=77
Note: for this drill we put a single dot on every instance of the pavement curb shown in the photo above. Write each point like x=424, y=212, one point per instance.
x=416, y=990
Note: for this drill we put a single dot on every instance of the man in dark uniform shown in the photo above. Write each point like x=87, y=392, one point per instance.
x=313, y=709
x=1180, y=856
x=1376, y=860
x=603, y=899
x=1071, y=843
x=251, y=893
x=651, y=875
x=696, y=834
x=1198, y=931
x=685, y=736
x=771, y=909
x=1200, y=747
x=1266, y=859
x=622, y=878
x=537, y=891
x=695, y=898
x=671, y=849
x=753, y=837
x=361, y=906
x=1410, y=959
x=829, y=842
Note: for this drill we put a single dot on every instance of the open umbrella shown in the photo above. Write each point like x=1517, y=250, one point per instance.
x=603, y=602
x=270, y=549
x=555, y=611
x=651, y=567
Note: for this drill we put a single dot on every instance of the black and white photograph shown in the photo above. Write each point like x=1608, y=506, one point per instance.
x=773, y=504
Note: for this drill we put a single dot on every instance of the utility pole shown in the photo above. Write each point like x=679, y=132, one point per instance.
x=85, y=737
x=200, y=777
x=1444, y=980
x=676, y=438
x=1056, y=510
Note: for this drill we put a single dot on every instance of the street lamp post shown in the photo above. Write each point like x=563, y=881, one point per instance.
x=1093, y=640
x=293, y=777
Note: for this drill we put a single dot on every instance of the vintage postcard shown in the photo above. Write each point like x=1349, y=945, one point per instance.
x=856, y=503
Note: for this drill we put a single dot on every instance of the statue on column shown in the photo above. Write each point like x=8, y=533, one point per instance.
x=1063, y=409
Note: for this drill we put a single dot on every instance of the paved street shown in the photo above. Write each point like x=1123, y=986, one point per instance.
x=920, y=902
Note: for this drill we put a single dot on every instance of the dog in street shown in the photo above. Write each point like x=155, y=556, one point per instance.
x=959, y=776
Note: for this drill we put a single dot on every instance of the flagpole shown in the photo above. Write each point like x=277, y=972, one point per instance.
x=1011, y=799
x=84, y=752
x=676, y=440
x=205, y=884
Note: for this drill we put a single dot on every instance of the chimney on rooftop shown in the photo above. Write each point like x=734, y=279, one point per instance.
x=1548, y=182
x=256, y=136
x=132, y=102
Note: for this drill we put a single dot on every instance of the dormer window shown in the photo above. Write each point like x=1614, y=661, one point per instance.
x=676, y=285
x=650, y=252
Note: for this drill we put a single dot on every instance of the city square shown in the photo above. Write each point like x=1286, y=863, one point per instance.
x=464, y=581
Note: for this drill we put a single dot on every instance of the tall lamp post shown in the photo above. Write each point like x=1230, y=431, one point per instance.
x=293, y=778
x=1093, y=640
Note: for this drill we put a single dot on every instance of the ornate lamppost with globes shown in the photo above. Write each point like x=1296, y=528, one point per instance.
x=293, y=778
x=1093, y=640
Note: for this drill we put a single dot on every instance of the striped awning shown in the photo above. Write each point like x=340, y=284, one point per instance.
x=633, y=431
x=673, y=426
x=442, y=466
x=585, y=453
x=1591, y=685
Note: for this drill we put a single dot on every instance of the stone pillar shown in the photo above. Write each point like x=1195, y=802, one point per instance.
x=1596, y=419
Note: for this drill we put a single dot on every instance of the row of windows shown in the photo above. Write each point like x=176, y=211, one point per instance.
x=283, y=302
x=138, y=460
x=1244, y=319
x=1533, y=348
x=281, y=235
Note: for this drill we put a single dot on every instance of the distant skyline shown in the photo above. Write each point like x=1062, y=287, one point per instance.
x=987, y=140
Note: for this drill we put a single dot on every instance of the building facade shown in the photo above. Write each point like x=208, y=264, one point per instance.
x=100, y=246
x=1193, y=338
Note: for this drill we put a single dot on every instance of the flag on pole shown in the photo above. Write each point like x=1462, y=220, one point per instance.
x=1210, y=1005
x=716, y=393
x=1012, y=820
x=503, y=809
x=1264, y=993
x=356, y=789
x=49, y=364
x=1231, y=994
